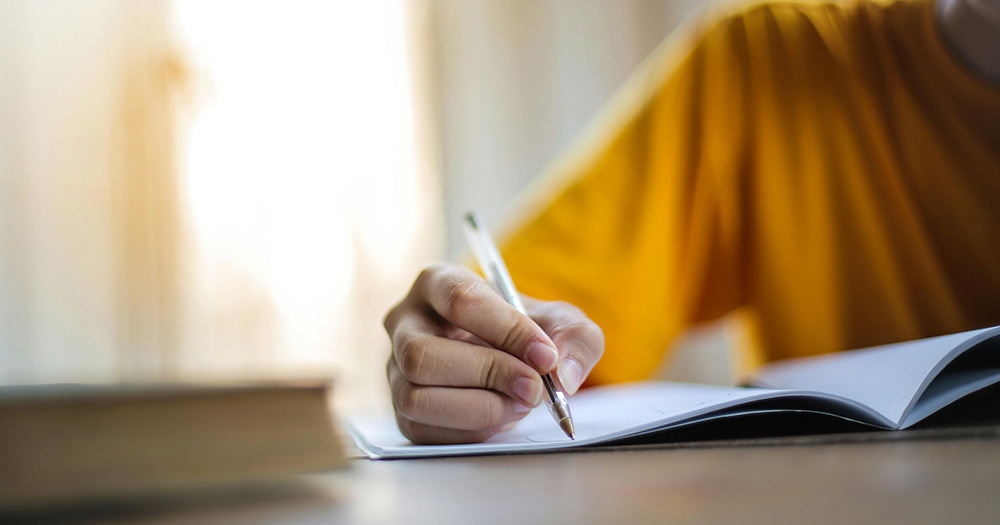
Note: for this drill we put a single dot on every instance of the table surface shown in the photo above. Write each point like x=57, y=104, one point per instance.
x=921, y=476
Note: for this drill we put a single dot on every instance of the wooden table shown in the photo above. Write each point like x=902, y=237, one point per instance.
x=923, y=476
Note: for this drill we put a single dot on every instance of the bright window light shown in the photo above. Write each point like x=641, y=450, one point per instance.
x=300, y=166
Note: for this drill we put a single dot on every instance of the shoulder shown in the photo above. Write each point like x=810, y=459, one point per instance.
x=793, y=15
x=789, y=44
x=832, y=23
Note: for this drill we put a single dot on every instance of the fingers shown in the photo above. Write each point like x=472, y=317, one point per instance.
x=465, y=300
x=455, y=408
x=580, y=340
x=466, y=365
x=426, y=358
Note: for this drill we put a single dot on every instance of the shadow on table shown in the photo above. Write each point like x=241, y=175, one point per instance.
x=233, y=501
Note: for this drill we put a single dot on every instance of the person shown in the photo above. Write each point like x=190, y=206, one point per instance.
x=829, y=172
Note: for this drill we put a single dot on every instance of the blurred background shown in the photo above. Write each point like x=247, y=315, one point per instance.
x=205, y=189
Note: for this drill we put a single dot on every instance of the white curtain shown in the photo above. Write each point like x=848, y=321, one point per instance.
x=196, y=190
x=304, y=187
x=88, y=203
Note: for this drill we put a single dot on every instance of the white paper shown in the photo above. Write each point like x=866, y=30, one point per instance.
x=946, y=390
x=600, y=414
x=888, y=378
x=880, y=386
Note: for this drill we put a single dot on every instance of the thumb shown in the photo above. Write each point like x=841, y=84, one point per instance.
x=579, y=340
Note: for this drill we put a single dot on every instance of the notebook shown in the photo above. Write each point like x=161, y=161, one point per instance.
x=887, y=387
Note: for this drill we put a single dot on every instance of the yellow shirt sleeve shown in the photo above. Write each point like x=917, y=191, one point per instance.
x=826, y=168
x=646, y=236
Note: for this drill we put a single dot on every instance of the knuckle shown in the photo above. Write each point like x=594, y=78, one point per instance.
x=592, y=336
x=425, y=280
x=515, y=334
x=585, y=331
x=410, y=430
x=393, y=374
x=461, y=295
x=492, y=415
x=407, y=400
x=492, y=374
x=390, y=318
x=575, y=328
x=430, y=275
x=414, y=358
x=597, y=336
x=427, y=273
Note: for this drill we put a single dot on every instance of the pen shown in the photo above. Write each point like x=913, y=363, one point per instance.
x=489, y=259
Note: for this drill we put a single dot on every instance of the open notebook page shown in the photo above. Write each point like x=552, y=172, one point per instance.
x=887, y=378
x=600, y=414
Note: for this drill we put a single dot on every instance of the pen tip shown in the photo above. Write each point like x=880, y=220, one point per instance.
x=567, y=426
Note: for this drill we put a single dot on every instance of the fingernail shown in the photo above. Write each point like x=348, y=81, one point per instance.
x=521, y=409
x=529, y=391
x=570, y=375
x=541, y=355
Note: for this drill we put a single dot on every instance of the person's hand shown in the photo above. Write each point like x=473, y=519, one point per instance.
x=465, y=364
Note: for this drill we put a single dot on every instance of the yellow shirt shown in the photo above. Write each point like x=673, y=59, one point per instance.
x=827, y=170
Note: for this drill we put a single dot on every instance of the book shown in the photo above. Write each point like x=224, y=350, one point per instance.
x=894, y=386
x=75, y=443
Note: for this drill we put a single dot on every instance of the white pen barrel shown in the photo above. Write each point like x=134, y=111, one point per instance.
x=488, y=256
x=489, y=259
